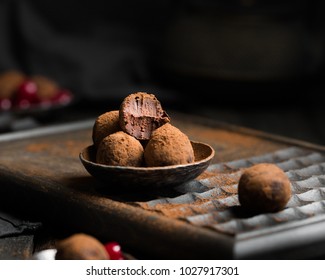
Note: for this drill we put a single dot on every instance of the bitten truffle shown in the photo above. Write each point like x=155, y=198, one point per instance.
x=264, y=187
x=105, y=125
x=9, y=83
x=168, y=146
x=81, y=246
x=120, y=149
x=140, y=114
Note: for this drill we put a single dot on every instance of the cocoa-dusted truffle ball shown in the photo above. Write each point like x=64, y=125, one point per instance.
x=46, y=88
x=105, y=125
x=140, y=114
x=168, y=146
x=9, y=83
x=120, y=149
x=264, y=187
x=81, y=246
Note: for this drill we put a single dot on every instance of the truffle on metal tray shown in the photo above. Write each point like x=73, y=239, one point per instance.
x=264, y=187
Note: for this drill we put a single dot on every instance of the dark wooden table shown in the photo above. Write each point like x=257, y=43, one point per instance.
x=42, y=179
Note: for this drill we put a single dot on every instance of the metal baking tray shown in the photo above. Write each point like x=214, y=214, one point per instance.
x=211, y=201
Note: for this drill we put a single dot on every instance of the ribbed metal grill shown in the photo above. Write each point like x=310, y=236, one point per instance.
x=211, y=200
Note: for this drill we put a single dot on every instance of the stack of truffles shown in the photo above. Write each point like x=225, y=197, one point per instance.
x=140, y=134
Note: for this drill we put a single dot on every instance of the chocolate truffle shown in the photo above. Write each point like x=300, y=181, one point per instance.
x=46, y=88
x=264, y=187
x=105, y=125
x=168, y=146
x=81, y=246
x=140, y=114
x=9, y=83
x=120, y=149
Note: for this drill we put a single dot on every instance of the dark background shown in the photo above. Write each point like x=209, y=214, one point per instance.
x=254, y=63
x=257, y=63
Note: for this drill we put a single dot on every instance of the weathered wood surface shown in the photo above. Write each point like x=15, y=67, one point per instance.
x=41, y=175
x=16, y=248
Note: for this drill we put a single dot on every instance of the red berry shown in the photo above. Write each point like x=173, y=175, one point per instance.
x=114, y=251
x=63, y=96
x=5, y=104
x=22, y=104
x=26, y=95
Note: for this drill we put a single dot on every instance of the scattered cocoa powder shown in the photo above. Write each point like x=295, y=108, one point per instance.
x=178, y=210
x=231, y=189
x=74, y=147
x=222, y=186
x=219, y=180
x=182, y=210
x=229, y=145
x=37, y=147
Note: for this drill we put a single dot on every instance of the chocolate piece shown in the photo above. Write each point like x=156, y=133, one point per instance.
x=140, y=114
x=168, y=146
x=120, y=149
x=9, y=83
x=264, y=187
x=81, y=246
x=105, y=125
x=46, y=88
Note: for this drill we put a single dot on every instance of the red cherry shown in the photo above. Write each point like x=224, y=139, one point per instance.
x=114, y=251
x=5, y=104
x=28, y=90
x=26, y=95
x=63, y=97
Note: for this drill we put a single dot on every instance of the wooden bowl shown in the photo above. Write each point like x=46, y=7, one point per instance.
x=152, y=177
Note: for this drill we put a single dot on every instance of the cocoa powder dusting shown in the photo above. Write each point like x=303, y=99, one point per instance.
x=179, y=210
x=70, y=147
x=222, y=186
x=223, y=180
x=229, y=145
x=182, y=210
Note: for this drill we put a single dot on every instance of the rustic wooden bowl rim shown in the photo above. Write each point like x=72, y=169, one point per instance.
x=195, y=144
